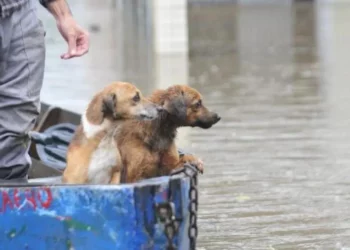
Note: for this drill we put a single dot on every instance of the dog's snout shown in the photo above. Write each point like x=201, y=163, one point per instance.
x=159, y=108
x=216, y=117
x=150, y=111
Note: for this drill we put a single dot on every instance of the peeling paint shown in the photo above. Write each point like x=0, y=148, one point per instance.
x=13, y=232
x=69, y=245
x=70, y=218
x=73, y=224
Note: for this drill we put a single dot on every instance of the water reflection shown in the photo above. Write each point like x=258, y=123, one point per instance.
x=276, y=175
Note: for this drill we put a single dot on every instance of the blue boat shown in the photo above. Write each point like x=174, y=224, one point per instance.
x=157, y=213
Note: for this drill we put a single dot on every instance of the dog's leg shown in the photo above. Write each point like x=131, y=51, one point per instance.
x=117, y=170
x=171, y=161
x=75, y=174
x=139, y=162
x=115, y=180
x=193, y=160
x=78, y=159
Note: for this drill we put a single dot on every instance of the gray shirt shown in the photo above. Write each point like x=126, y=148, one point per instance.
x=7, y=7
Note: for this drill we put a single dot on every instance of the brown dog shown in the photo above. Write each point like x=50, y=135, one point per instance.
x=147, y=148
x=92, y=153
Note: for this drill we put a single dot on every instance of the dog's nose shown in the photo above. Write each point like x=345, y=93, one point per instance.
x=217, y=117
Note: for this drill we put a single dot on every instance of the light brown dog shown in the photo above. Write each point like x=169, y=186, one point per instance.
x=147, y=148
x=93, y=153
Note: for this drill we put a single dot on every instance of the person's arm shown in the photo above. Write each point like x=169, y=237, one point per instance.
x=76, y=37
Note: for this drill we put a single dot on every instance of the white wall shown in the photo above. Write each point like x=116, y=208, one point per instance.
x=333, y=41
x=171, y=47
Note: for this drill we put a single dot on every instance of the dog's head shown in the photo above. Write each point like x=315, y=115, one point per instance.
x=121, y=101
x=185, y=107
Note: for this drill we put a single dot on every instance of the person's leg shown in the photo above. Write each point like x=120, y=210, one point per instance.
x=22, y=61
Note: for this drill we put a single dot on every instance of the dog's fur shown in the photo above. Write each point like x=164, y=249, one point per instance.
x=93, y=153
x=147, y=148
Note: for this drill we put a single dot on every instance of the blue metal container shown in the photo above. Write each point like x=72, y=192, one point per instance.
x=157, y=213
x=94, y=217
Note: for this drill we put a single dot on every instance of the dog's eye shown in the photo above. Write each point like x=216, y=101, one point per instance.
x=136, y=98
x=198, y=104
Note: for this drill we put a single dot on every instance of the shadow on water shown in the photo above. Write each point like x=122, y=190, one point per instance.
x=278, y=162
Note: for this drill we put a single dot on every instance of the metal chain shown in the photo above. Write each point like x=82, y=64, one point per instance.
x=192, y=172
x=193, y=208
x=166, y=215
x=166, y=210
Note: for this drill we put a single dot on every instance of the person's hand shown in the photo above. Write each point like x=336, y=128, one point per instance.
x=76, y=37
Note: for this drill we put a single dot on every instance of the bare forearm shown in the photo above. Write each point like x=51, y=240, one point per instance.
x=58, y=8
x=76, y=37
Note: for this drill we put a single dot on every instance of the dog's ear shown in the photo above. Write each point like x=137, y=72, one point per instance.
x=177, y=108
x=109, y=104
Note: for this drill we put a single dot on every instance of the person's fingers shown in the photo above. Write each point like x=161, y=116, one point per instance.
x=81, y=52
x=72, y=45
x=82, y=45
x=77, y=45
x=65, y=56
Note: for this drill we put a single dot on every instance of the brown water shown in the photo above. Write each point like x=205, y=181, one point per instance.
x=278, y=163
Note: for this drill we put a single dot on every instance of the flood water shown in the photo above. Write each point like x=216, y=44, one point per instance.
x=277, y=170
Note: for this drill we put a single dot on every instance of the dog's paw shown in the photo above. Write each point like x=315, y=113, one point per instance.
x=197, y=162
